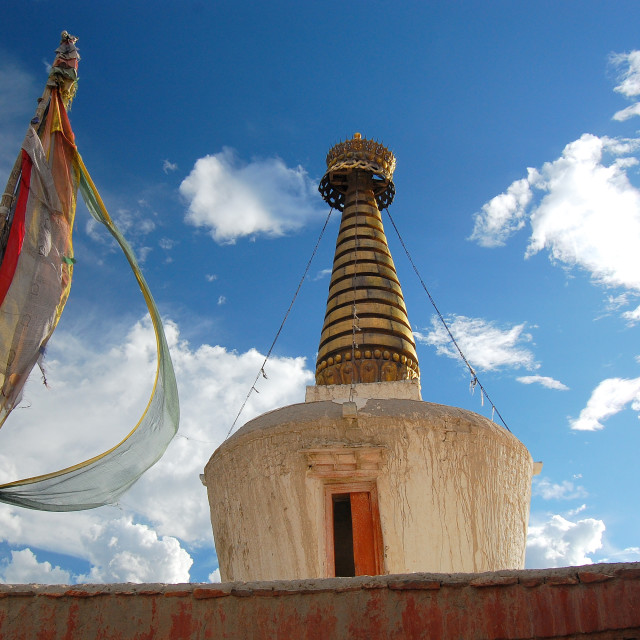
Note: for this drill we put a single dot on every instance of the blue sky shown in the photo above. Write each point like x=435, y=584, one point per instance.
x=205, y=127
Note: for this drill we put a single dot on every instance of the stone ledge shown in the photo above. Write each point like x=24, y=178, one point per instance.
x=587, y=574
x=598, y=601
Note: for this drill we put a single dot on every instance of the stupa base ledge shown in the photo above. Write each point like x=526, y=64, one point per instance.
x=361, y=392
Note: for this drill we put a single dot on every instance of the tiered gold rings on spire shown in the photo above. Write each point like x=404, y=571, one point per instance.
x=363, y=154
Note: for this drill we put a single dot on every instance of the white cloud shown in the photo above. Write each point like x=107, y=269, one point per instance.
x=610, y=397
x=121, y=551
x=213, y=384
x=233, y=199
x=503, y=215
x=629, y=79
x=630, y=76
x=211, y=277
x=221, y=300
x=551, y=491
x=574, y=512
x=134, y=222
x=214, y=576
x=117, y=549
x=24, y=568
x=591, y=214
x=560, y=542
x=142, y=253
x=632, y=316
x=485, y=345
x=616, y=302
x=630, y=554
x=106, y=386
x=545, y=381
x=169, y=166
x=322, y=274
x=588, y=215
x=627, y=112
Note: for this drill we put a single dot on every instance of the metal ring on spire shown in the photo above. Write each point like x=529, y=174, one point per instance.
x=358, y=154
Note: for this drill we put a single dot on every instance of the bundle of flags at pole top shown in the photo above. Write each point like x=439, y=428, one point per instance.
x=35, y=280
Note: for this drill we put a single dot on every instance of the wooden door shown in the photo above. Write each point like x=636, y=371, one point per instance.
x=364, y=551
x=354, y=537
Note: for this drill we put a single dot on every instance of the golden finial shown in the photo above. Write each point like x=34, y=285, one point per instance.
x=358, y=154
x=366, y=336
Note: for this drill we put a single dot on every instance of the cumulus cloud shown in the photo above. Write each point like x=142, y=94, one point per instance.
x=610, y=397
x=560, y=542
x=24, y=568
x=232, y=199
x=150, y=535
x=591, y=214
x=588, y=215
x=582, y=208
x=116, y=548
x=630, y=75
x=504, y=214
x=629, y=82
x=122, y=551
x=548, y=490
x=213, y=382
x=627, y=112
x=545, y=381
x=485, y=345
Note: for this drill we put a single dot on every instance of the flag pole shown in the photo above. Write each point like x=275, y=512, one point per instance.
x=64, y=76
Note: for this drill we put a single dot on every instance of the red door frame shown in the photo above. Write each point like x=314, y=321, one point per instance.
x=367, y=532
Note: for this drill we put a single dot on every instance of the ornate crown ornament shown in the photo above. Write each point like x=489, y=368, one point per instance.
x=358, y=154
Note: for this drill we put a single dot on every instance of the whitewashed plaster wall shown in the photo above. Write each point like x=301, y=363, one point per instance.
x=453, y=489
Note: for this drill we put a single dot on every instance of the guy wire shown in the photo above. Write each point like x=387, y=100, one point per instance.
x=474, y=379
x=261, y=371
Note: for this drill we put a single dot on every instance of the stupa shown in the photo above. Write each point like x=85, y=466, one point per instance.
x=364, y=477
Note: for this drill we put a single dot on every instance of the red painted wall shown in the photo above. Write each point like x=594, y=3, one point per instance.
x=598, y=601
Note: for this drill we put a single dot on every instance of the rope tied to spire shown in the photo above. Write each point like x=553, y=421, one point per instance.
x=475, y=382
x=261, y=371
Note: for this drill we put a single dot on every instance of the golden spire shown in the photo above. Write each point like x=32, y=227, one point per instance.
x=366, y=336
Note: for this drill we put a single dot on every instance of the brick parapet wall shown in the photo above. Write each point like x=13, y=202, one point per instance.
x=594, y=601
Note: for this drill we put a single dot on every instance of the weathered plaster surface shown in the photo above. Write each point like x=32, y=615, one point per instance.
x=360, y=393
x=453, y=490
x=595, y=601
